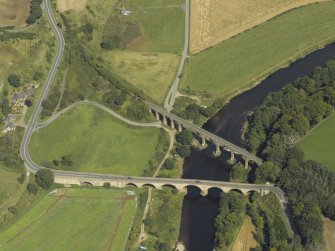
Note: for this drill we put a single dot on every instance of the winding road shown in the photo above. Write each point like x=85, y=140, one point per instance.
x=32, y=124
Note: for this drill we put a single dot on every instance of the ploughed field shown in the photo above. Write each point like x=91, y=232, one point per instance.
x=74, y=219
x=210, y=26
x=94, y=141
x=319, y=144
x=14, y=12
x=241, y=62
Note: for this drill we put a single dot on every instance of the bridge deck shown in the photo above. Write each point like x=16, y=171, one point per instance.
x=206, y=134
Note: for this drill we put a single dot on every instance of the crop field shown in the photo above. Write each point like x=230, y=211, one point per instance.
x=96, y=142
x=329, y=230
x=241, y=62
x=317, y=146
x=245, y=240
x=150, y=72
x=8, y=183
x=67, y=5
x=74, y=219
x=14, y=12
x=209, y=26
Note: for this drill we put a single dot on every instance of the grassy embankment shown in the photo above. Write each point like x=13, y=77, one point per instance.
x=317, y=144
x=8, y=183
x=74, y=218
x=245, y=239
x=241, y=62
x=96, y=142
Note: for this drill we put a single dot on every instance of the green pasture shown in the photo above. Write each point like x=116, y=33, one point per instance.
x=242, y=61
x=319, y=144
x=8, y=183
x=73, y=219
x=96, y=142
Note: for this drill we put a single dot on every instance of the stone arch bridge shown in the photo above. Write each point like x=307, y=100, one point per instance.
x=69, y=178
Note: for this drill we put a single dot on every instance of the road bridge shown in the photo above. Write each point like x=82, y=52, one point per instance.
x=220, y=143
x=71, y=178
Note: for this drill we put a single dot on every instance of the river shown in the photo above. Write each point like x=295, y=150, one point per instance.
x=197, y=230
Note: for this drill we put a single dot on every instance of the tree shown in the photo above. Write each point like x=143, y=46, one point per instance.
x=44, y=178
x=66, y=160
x=14, y=80
x=169, y=164
x=183, y=150
x=28, y=102
x=185, y=137
x=21, y=178
x=269, y=171
x=32, y=188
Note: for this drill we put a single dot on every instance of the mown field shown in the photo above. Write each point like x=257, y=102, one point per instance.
x=150, y=72
x=317, y=144
x=8, y=183
x=329, y=230
x=14, y=12
x=241, y=62
x=74, y=219
x=209, y=26
x=245, y=239
x=96, y=142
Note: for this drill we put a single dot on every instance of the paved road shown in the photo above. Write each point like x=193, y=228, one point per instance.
x=31, y=166
x=171, y=96
x=100, y=106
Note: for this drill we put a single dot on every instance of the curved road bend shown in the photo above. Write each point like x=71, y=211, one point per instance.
x=100, y=106
x=171, y=95
x=33, y=167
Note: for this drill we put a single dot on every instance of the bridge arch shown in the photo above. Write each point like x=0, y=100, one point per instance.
x=86, y=183
x=149, y=185
x=169, y=186
x=237, y=191
x=131, y=185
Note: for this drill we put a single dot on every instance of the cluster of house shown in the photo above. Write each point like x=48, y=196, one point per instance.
x=17, y=101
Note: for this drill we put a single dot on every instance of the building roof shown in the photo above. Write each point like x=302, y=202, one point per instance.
x=30, y=91
x=18, y=96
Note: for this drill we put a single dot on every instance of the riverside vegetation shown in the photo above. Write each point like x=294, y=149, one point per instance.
x=274, y=131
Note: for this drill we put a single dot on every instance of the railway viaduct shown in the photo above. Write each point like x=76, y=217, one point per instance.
x=220, y=143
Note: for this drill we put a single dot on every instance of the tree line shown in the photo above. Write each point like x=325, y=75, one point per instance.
x=274, y=131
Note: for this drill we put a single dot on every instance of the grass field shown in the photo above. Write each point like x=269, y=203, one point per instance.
x=74, y=219
x=96, y=142
x=161, y=23
x=245, y=240
x=241, y=62
x=316, y=145
x=10, y=59
x=329, y=230
x=209, y=26
x=67, y=5
x=14, y=12
x=8, y=184
x=150, y=72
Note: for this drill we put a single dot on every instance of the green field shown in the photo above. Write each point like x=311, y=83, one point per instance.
x=161, y=23
x=239, y=63
x=8, y=183
x=74, y=219
x=96, y=142
x=152, y=73
x=318, y=144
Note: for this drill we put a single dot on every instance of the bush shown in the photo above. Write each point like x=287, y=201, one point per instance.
x=21, y=178
x=66, y=160
x=14, y=80
x=12, y=210
x=106, y=185
x=32, y=188
x=35, y=11
x=183, y=150
x=44, y=178
x=169, y=164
